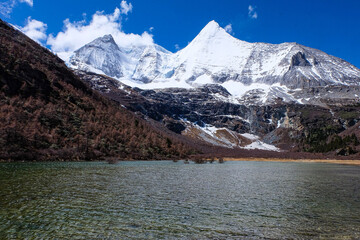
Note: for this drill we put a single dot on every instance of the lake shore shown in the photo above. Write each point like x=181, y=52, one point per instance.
x=226, y=159
x=334, y=161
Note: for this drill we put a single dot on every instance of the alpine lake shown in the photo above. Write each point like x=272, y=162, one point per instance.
x=173, y=200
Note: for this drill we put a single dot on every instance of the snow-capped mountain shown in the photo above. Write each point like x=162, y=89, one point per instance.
x=103, y=55
x=150, y=64
x=247, y=70
x=214, y=56
x=228, y=92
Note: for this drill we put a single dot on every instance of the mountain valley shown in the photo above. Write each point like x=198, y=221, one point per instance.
x=219, y=96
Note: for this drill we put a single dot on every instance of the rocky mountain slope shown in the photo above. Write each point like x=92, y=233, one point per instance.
x=48, y=113
x=223, y=96
x=236, y=94
x=201, y=114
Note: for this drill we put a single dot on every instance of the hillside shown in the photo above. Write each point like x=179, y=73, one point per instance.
x=48, y=113
x=234, y=94
x=292, y=130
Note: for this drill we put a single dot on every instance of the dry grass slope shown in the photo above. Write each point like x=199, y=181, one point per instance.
x=48, y=113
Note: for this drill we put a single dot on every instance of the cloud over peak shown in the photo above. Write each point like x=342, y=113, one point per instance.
x=77, y=34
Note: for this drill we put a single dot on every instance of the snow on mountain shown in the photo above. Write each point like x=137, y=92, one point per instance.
x=136, y=65
x=101, y=56
x=220, y=57
x=271, y=70
x=267, y=71
x=225, y=137
x=150, y=63
x=211, y=53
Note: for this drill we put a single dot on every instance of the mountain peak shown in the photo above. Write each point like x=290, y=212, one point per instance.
x=107, y=42
x=215, y=56
x=212, y=25
x=101, y=54
x=107, y=38
x=210, y=34
x=211, y=29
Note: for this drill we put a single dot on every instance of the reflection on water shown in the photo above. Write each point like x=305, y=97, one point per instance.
x=142, y=200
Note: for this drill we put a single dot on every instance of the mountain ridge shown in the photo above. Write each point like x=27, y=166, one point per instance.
x=65, y=119
x=228, y=92
x=216, y=57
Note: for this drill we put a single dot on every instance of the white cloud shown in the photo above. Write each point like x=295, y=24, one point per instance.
x=125, y=7
x=177, y=47
x=35, y=30
x=254, y=16
x=6, y=7
x=251, y=9
x=30, y=2
x=228, y=28
x=77, y=34
x=252, y=13
x=151, y=29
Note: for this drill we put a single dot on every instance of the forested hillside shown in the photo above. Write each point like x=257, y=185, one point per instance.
x=48, y=113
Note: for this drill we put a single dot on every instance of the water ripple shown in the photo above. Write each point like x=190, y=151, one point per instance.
x=166, y=200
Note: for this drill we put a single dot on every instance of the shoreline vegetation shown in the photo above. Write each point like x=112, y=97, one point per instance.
x=222, y=160
x=334, y=161
x=282, y=160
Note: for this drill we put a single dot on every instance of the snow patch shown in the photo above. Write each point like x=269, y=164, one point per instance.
x=156, y=84
x=262, y=146
x=239, y=89
x=202, y=80
x=213, y=135
x=250, y=136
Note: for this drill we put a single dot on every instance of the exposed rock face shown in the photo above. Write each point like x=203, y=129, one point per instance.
x=299, y=60
x=204, y=112
x=283, y=94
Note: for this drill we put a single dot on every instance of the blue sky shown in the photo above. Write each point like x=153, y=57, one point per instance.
x=329, y=25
